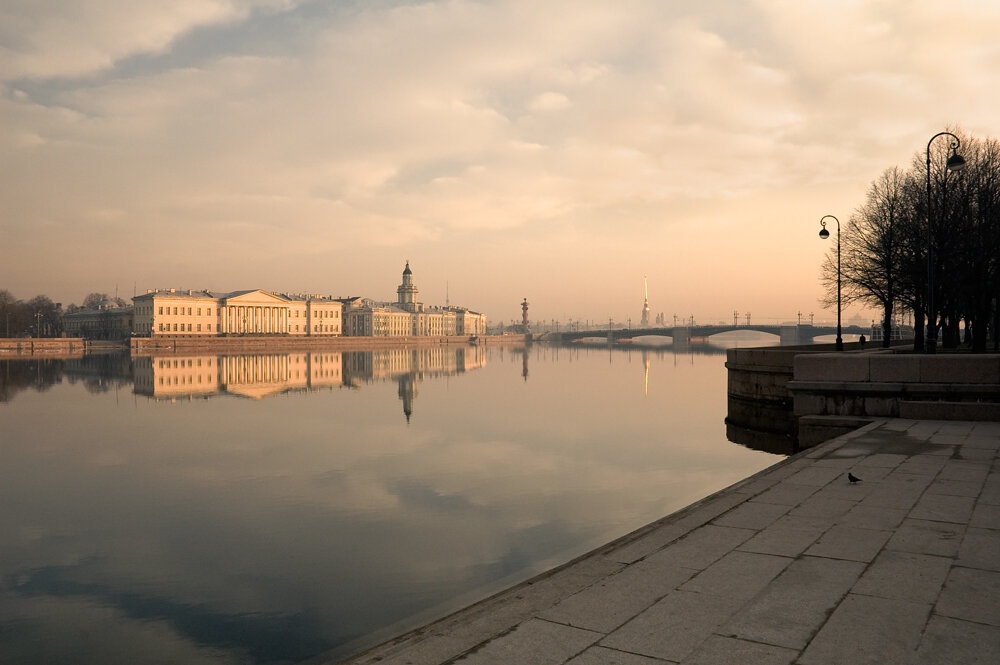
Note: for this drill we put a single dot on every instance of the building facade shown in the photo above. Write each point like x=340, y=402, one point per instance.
x=169, y=312
x=173, y=312
x=107, y=321
x=407, y=317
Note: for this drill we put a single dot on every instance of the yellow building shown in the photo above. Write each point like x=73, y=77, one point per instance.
x=163, y=312
x=408, y=317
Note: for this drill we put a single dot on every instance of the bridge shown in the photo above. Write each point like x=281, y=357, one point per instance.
x=789, y=334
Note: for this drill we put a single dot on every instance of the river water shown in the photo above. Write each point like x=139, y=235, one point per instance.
x=270, y=508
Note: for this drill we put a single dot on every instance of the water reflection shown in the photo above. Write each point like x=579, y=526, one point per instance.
x=282, y=506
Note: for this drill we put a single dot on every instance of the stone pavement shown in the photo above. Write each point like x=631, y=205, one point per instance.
x=792, y=565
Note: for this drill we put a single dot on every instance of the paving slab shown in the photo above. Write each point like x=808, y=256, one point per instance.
x=740, y=575
x=604, y=656
x=971, y=594
x=751, y=515
x=980, y=549
x=785, y=494
x=534, y=642
x=947, y=640
x=850, y=542
x=793, y=565
x=943, y=508
x=905, y=576
x=718, y=650
x=675, y=626
x=924, y=537
x=794, y=607
x=618, y=598
x=789, y=536
x=869, y=631
x=985, y=516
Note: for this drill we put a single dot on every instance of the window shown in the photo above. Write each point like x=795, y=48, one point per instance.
x=175, y=325
x=209, y=326
x=199, y=311
x=209, y=311
x=161, y=309
x=199, y=330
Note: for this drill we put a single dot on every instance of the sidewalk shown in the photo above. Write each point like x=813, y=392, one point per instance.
x=792, y=565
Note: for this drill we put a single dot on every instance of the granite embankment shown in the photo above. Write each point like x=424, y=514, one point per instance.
x=810, y=394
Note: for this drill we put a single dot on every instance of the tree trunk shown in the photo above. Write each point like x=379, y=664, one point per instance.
x=979, y=334
x=918, y=329
x=887, y=325
x=996, y=324
x=949, y=332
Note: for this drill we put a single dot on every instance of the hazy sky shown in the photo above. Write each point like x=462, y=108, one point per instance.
x=555, y=150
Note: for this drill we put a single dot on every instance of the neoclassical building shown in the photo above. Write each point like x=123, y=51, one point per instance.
x=407, y=317
x=173, y=312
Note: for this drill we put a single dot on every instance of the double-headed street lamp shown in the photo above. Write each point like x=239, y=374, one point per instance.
x=824, y=234
x=955, y=163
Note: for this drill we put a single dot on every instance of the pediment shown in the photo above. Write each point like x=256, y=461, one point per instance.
x=255, y=297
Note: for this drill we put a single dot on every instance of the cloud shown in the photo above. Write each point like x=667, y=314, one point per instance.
x=392, y=125
x=52, y=38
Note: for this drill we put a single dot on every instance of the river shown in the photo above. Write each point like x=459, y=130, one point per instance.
x=269, y=508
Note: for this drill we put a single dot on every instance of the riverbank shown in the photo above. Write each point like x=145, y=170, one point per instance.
x=793, y=565
x=51, y=347
x=274, y=343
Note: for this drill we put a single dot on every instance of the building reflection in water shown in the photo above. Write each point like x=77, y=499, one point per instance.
x=259, y=376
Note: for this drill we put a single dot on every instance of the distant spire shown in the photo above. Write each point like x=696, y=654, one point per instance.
x=645, y=302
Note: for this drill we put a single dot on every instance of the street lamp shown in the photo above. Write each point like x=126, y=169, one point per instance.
x=824, y=234
x=955, y=163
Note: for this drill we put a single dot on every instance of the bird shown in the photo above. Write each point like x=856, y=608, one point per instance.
x=851, y=477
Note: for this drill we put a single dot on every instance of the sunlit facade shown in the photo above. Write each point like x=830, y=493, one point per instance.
x=173, y=312
x=407, y=317
x=170, y=312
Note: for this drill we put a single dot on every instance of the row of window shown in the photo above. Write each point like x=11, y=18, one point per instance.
x=165, y=327
x=189, y=312
x=196, y=311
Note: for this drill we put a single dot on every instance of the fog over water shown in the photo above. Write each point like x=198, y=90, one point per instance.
x=269, y=508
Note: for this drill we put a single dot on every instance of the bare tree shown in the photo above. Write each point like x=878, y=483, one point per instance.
x=872, y=247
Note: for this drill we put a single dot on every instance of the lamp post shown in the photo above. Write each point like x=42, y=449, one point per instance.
x=824, y=234
x=955, y=163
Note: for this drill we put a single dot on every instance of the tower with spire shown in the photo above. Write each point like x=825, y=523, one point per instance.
x=406, y=293
x=645, y=303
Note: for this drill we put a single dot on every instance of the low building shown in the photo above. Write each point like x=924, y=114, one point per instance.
x=108, y=320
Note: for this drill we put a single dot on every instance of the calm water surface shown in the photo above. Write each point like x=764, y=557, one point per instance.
x=266, y=509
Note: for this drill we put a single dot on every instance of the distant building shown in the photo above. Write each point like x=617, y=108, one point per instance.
x=108, y=320
x=407, y=317
x=169, y=312
x=173, y=312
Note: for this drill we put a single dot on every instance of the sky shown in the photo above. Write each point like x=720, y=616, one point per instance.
x=560, y=151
